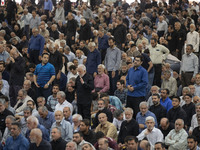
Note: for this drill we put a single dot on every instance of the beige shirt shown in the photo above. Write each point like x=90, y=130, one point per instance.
x=170, y=84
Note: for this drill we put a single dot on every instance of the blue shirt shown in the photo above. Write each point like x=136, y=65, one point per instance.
x=115, y=101
x=44, y=73
x=167, y=103
x=141, y=119
x=36, y=43
x=48, y=121
x=93, y=60
x=138, y=78
x=103, y=42
x=20, y=143
x=48, y=5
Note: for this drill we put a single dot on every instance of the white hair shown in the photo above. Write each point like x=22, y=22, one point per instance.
x=143, y=103
x=62, y=94
x=33, y=119
x=37, y=132
x=128, y=109
x=150, y=118
x=82, y=67
x=92, y=44
x=77, y=116
x=101, y=65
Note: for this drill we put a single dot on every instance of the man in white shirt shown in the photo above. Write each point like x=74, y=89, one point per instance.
x=62, y=102
x=162, y=27
x=177, y=138
x=194, y=122
x=151, y=133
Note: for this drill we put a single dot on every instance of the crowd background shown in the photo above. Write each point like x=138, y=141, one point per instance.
x=99, y=75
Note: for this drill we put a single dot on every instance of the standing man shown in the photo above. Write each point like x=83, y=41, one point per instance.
x=93, y=59
x=158, y=53
x=189, y=66
x=102, y=43
x=43, y=76
x=16, y=65
x=84, y=85
x=36, y=46
x=112, y=64
x=136, y=82
x=162, y=27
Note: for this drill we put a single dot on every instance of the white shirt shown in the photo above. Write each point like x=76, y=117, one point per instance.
x=63, y=105
x=154, y=136
x=176, y=140
x=70, y=56
x=80, y=60
x=194, y=122
x=193, y=38
x=162, y=26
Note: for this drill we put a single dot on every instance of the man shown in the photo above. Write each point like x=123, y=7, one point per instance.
x=189, y=66
x=5, y=73
x=177, y=138
x=93, y=59
x=152, y=134
x=103, y=144
x=78, y=139
x=46, y=117
x=37, y=142
x=57, y=143
x=165, y=126
x=54, y=34
x=102, y=43
x=84, y=85
x=34, y=22
x=106, y=127
x=88, y=134
x=162, y=27
x=136, y=82
x=159, y=146
x=121, y=92
x=26, y=16
x=68, y=53
x=65, y=126
x=71, y=146
x=144, y=145
x=84, y=31
x=154, y=90
x=112, y=63
x=83, y=47
x=157, y=108
x=131, y=143
x=17, y=140
x=42, y=102
x=196, y=131
x=62, y=102
x=176, y=112
x=192, y=143
x=158, y=53
x=36, y=46
x=32, y=123
x=67, y=114
x=169, y=83
x=16, y=66
x=193, y=38
x=194, y=122
x=30, y=91
x=165, y=101
x=52, y=99
x=80, y=57
x=197, y=85
x=129, y=126
x=44, y=75
x=143, y=114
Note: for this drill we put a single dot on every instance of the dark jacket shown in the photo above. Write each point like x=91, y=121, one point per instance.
x=71, y=28
x=17, y=71
x=128, y=128
x=85, y=32
x=90, y=137
x=120, y=34
x=44, y=145
x=190, y=111
x=54, y=34
x=56, y=60
x=59, y=144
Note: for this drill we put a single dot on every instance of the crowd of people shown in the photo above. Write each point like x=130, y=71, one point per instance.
x=102, y=74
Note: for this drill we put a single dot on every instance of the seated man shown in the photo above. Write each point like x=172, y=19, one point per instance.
x=131, y=143
x=27, y=112
x=152, y=134
x=67, y=114
x=159, y=146
x=192, y=143
x=177, y=138
x=106, y=127
x=196, y=131
x=52, y=99
x=42, y=102
x=76, y=120
x=71, y=146
x=165, y=126
x=103, y=144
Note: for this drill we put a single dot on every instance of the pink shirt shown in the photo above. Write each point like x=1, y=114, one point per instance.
x=102, y=81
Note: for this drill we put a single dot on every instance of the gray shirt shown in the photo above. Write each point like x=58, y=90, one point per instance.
x=113, y=59
x=34, y=22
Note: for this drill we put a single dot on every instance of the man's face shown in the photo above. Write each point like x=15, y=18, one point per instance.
x=8, y=123
x=150, y=124
x=153, y=43
x=58, y=116
x=143, y=109
x=55, y=134
x=187, y=99
x=197, y=79
x=175, y=102
x=102, y=118
x=111, y=43
x=128, y=115
x=55, y=89
x=158, y=147
x=70, y=146
x=30, y=124
x=1, y=48
x=45, y=59
x=35, y=33
x=188, y=50
x=155, y=100
x=26, y=85
x=80, y=72
x=26, y=114
x=15, y=131
x=119, y=86
x=2, y=68
x=32, y=137
x=77, y=138
x=30, y=104
x=42, y=114
x=60, y=99
x=101, y=105
x=132, y=145
x=40, y=102
x=154, y=90
x=178, y=125
x=66, y=112
x=100, y=70
x=102, y=145
x=20, y=95
x=191, y=144
x=83, y=127
x=197, y=109
x=137, y=62
x=78, y=54
x=163, y=93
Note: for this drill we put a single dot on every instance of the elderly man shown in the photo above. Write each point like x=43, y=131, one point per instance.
x=196, y=131
x=84, y=85
x=42, y=102
x=93, y=59
x=103, y=144
x=17, y=140
x=67, y=114
x=32, y=123
x=85, y=31
x=65, y=126
x=30, y=91
x=57, y=143
x=37, y=142
x=71, y=146
x=62, y=102
x=80, y=56
x=129, y=126
x=151, y=133
x=68, y=53
x=106, y=127
x=36, y=46
x=143, y=114
x=165, y=126
x=194, y=122
x=177, y=138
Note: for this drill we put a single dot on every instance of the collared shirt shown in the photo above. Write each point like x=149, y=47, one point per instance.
x=122, y=95
x=167, y=103
x=63, y=105
x=87, y=14
x=103, y=42
x=44, y=73
x=171, y=85
x=193, y=38
x=26, y=18
x=141, y=118
x=154, y=136
x=176, y=140
x=158, y=53
x=34, y=22
x=189, y=63
x=20, y=143
x=80, y=60
x=48, y=5
x=70, y=56
x=66, y=129
x=4, y=56
x=36, y=43
x=162, y=26
x=138, y=78
x=112, y=59
x=48, y=121
x=102, y=81
x=52, y=102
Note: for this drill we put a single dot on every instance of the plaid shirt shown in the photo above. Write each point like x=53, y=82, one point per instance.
x=122, y=95
x=51, y=101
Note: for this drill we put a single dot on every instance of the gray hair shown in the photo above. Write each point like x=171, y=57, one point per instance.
x=27, y=109
x=12, y=118
x=180, y=120
x=75, y=145
x=43, y=109
x=101, y=65
x=143, y=103
x=77, y=116
x=150, y=118
x=62, y=94
x=58, y=128
x=3, y=31
x=23, y=91
x=41, y=98
x=128, y=109
x=82, y=67
x=92, y=44
x=37, y=132
x=186, y=89
x=67, y=48
x=29, y=82
x=33, y=119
